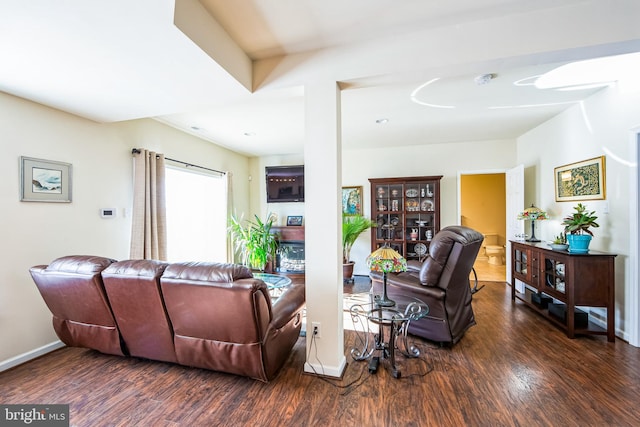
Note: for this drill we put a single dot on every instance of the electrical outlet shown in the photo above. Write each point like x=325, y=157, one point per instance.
x=315, y=327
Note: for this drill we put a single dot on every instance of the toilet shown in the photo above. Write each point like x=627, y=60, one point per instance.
x=492, y=250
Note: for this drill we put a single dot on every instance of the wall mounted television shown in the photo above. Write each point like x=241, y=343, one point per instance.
x=285, y=184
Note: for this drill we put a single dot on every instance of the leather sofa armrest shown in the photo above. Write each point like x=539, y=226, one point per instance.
x=288, y=305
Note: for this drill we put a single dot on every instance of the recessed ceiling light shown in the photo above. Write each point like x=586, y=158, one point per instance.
x=249, y=134
x=382, y=121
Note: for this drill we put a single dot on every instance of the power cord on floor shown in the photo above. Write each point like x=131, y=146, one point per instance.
x=355, y=384
x=335, y=383
x=315, y=347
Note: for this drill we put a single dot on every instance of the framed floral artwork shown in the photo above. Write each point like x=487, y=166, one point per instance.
x=583, y=180
x=352, y=200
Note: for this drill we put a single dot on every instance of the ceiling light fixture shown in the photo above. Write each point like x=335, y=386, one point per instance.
x=382, y=121
x=584, y=74
x=249, y=134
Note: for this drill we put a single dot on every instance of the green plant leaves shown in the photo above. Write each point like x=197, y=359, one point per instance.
x=352, y=227
x=254, y=241
x=580, y=221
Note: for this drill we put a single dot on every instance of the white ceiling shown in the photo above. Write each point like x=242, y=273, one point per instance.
x=231, y=68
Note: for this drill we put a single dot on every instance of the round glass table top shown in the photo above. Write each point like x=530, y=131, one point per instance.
x=273, y=281
x=404, y=308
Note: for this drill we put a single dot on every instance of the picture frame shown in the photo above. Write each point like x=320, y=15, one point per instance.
x=294, y=220
x=584, y=180
x=352, y=201
x=45, y=180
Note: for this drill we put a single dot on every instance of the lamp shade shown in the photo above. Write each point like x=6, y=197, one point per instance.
x=533, y=214
x=386, y=260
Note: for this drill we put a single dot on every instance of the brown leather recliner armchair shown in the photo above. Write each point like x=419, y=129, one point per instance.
x=442, y=282
x=72, y=288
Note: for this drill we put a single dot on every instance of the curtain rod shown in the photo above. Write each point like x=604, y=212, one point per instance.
x=137, y=151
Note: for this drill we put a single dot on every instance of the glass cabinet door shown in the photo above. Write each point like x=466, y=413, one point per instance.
x=521, y=262
x=421, y=219
x=389, y=202
x=554, y=275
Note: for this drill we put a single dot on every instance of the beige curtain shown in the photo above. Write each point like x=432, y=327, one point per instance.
x=149, y=222
x=230, y=252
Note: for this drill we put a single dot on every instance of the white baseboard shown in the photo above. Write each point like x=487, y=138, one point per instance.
x=326, y=371
x=30, y=355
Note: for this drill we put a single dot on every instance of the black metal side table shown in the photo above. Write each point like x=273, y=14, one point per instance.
x=391, y=324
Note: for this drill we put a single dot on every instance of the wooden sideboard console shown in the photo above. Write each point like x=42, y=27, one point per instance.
x=558, y=283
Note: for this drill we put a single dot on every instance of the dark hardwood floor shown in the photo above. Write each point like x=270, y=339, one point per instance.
x=512, y=369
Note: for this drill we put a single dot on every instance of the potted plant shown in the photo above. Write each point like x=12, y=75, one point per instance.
x=352, y=227
x=577, y=228
x=254, y=241
x=559, y=242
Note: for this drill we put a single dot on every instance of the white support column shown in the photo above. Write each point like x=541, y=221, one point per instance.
x=323, y=228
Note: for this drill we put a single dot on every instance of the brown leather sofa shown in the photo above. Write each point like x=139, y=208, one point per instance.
x=442, y=282
x=208, y=315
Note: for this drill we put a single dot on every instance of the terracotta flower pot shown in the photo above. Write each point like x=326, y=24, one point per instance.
x=347, y=272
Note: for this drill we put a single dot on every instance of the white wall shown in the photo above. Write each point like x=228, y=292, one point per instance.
x=426, y=160
x=600, y=128
x=36, y=233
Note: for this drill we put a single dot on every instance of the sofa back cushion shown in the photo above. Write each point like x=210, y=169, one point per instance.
x=454, y=248
x=133, y=289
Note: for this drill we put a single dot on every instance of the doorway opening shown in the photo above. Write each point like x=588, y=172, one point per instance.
x=483, y=207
